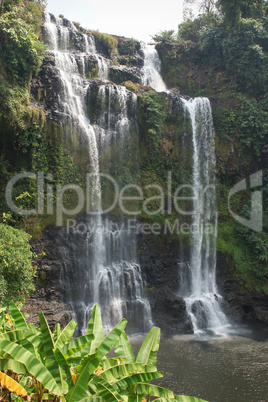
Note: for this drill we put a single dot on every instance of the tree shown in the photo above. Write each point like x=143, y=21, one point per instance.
x=231, y=10
x=252, y=8
x=208, y=6
x=16, y=270
x=234, y=10
x=201, y=6
x=21, y=51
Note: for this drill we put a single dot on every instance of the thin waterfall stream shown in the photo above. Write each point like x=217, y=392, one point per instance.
x=151, y=71
x=202, y=297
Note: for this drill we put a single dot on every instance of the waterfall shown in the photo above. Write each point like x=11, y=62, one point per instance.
x=118, y=106
x=203, y=300
x=151, y=71
x=101, y=265
x=73, y=85
x=61, y=35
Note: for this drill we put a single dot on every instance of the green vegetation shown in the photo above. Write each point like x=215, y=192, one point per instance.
x=243, y=54
x=153, y=114
x=193, y=29
x=43, y=365
x=108, y=41
x=21, y=51
x=130, y=86
x=20, y=57
x=16, y=270
x=128, y=47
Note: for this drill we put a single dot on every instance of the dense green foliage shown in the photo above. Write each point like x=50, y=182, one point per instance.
x=108, y=41
x=193, y=29
x=243, y=54
x=154, y=113
x=16, y=270
x=21, y=51
x=235, y=10
x=54, y=366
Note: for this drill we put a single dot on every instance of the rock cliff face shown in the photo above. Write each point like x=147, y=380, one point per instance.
x=241, y=304
x=48, y=294
x=159, y=259
x=118, y=116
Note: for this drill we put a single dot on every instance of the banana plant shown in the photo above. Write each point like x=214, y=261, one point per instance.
x=73, y=370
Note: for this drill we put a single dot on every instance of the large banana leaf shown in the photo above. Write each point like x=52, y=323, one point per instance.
x=47, y=337
x=12, y=365
x=13, y=336
x=34, y=329
x=32, y=342
x=123, y=349
x=29, y=346
x=47, y=350
x=66, y=335
x=35, y=339
x=133, y=379
x=79, y=390
x=56, y=333
x=95, y=328
x=73, y=348
x=104, y=347
x=64, y=371
x=17, y=316
x=147, y=352
x=111, y=339
x=153, y=390
x=12, y=385
x=107, y=363
x=90, y=363
x=32, y=364
x=106, y=390
x=124, y=370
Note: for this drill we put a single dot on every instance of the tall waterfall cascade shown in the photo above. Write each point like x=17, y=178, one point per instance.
x=151, y=71
x=102, y=265
x=200, y=290
x=101, y=268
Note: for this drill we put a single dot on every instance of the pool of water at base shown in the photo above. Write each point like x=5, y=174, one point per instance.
x=228, y=366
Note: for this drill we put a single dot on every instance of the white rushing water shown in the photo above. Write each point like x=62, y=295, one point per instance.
x=107, y=271
x=203, y=300
x=59, y=34
x=151, y=71
x=118, y=105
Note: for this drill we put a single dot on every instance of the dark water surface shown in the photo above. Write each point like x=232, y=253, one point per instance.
x=229, y=367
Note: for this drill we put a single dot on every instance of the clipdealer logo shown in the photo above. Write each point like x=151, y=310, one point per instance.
x=50, y=199
x=255, y=222
x=165, y=201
